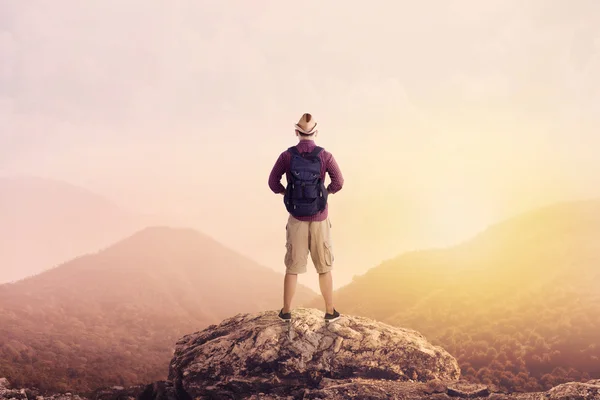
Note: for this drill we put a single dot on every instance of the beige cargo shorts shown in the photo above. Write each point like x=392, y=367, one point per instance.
x=303, y=237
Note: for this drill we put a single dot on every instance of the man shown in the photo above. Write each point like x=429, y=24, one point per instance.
x=308, y=228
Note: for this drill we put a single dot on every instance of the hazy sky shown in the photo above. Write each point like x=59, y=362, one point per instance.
x=444, y=115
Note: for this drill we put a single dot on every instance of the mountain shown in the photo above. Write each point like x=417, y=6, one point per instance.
x=111, y=318
x=517, y=305
x=45, y=222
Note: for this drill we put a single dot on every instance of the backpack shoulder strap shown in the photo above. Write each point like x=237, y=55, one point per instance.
x=294, y=150
x=316, y=151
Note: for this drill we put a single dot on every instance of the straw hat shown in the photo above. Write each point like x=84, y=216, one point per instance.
x=307, y=124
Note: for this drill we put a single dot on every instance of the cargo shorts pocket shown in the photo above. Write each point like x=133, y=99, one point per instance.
x=328, y=250
x=288, y=259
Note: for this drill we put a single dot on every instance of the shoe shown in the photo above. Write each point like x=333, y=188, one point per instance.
x=286, y=317
x=332, y=317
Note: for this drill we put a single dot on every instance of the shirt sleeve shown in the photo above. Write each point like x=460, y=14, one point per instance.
x=337, y=179
x=276, y=174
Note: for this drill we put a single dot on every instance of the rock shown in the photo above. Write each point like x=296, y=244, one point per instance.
x=576, y=391
x=66, y=396
x=467, y=390
x=435, y=386
x=6, y=391
x=117, y=392
x=161, y=390
x=252, y=353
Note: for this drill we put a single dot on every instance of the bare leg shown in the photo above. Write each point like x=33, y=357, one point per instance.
x=326, y=285
x=289, y=288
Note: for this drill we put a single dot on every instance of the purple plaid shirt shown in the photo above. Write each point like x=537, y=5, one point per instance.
x=328, y=164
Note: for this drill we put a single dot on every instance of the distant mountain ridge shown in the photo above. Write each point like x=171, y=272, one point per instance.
x=517, y=305
x=46, y=222
x=111, y=318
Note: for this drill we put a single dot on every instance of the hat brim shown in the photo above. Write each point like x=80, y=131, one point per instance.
x=310, y=132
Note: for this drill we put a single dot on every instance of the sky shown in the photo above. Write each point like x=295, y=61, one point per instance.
x=444, y=116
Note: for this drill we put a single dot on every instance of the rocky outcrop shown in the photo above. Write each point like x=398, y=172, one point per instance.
x=260, y=353
x=259, y=357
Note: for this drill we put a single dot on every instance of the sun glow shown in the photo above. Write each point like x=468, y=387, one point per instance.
x=453, y=217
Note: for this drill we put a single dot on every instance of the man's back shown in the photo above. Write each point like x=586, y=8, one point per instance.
x=328, y=165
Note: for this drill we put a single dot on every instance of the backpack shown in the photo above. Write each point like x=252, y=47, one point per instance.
x=305, y=194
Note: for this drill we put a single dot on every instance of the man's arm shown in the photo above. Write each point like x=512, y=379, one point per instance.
x=337, y=180
x=276, y=174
